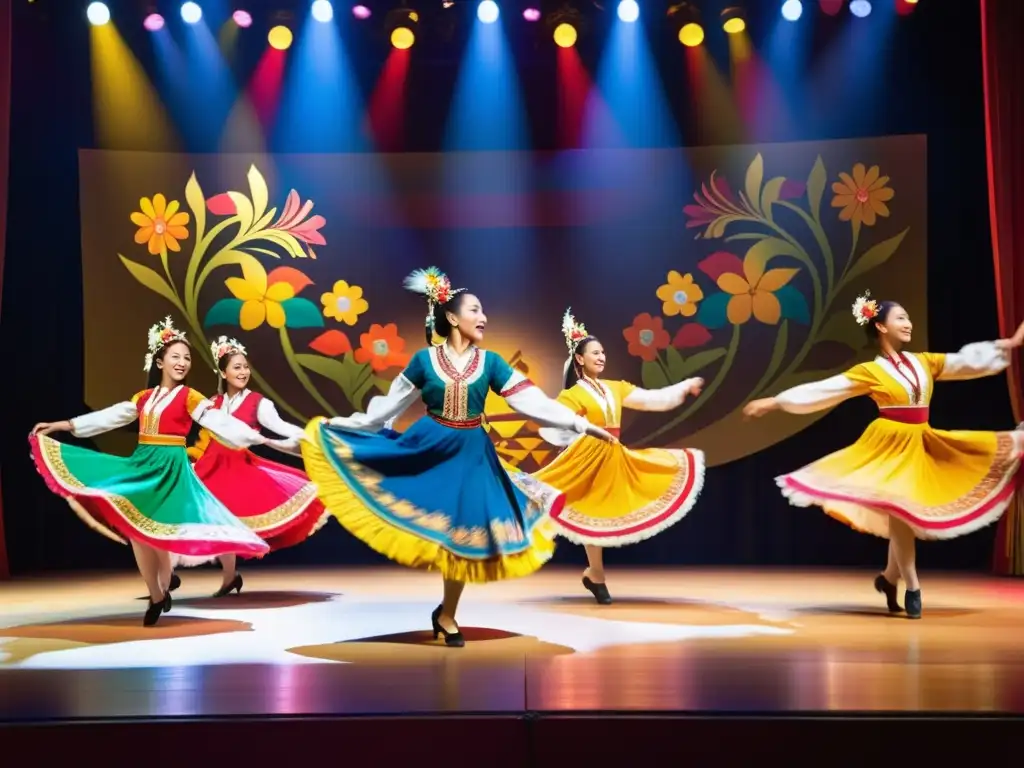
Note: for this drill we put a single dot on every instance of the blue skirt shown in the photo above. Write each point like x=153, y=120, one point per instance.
x=435, y=497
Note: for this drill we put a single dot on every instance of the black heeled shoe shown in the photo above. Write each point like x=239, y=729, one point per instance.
x=175, y=582
x=913, y=601
x=887, y=588
x=451, y=639
x=154, y=611
x=236, y=585
x=599, y=591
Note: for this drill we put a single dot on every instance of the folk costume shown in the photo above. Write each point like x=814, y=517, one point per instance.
x=152, y=496
x=942, y=484
x=615, y=495
x=437, y=496
x=276, y=502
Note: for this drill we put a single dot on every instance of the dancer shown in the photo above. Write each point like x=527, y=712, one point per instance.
x=903, y=480
x=152, y=498
x=275, y=501
x=613, y=495
x=437, y=496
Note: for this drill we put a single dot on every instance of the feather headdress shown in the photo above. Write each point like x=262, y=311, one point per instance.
x=865, y=309
x=160, y=335
x=573, y=331
x=435, y=285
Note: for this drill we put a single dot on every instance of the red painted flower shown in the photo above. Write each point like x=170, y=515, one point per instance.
x=691, y=335
x=331, y=343
x=646, y=336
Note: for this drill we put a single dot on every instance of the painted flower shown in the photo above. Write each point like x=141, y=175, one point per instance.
x=344, y=303
x=293, y=221
x=679, y=295
x=160, y=224
x=646, y=336
x=261, y=296
x=862, y=196
x=717, y=205
x=750, y=290
x=331, y=343
x=382, y=348
x=691, y=335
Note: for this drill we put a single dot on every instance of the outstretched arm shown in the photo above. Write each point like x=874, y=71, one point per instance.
x=94, y=423
x=524, y=397
x=808, y=398
x=973, y=361
x=224, y=425
x=663, y=399
x=383, y=408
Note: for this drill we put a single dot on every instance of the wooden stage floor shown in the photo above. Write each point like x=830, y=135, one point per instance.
x=343, y=641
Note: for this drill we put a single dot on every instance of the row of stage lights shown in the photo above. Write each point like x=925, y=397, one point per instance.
x=403, y=22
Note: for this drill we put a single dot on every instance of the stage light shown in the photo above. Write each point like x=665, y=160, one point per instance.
x=831, y=7
x=860, y=8
x=154, y=22
x=531, y=14
x=684, y=20
x=792, y=10
x=322, y=10
x=732, y=21
x=242, y=19
x=629, y=11
x=280, y=37
x=361, y=12
x=691, y=35
x=403, y=24
x=98, y=14
x=565, y=35
x=910, y=2
x=487, y=11
x=191, y=13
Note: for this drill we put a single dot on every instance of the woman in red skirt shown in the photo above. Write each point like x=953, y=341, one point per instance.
x=277, y=502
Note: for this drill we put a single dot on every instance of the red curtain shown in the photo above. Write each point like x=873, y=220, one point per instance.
x=5, y=135
x=1003, y=62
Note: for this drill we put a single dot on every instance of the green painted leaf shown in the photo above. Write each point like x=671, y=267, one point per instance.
x=816, y=188
x=149, y=278
x=258, y=190
x=382, y=385
x=794, y=305
x=653, y=375
x=755, y=175
x=264, y=251
x=770, y=194
x=330, y=368
x=224, y=312
x=764, y=250
x=778, y=352
x=196, y=201
x=302, y=313
x=699, y=361
x=674, y=362
x=712, y=312
x=875, y=256
x=842, y=328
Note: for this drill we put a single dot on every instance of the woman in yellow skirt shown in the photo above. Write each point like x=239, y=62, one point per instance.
x=615, y=496
x=903, y=480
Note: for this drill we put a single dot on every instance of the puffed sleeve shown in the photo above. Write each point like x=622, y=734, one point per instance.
x=222, y=424
x=383, y=408
x=820, y=395
x=526, y=398
x=269, y=418
x=663, y=399
x=973, y=361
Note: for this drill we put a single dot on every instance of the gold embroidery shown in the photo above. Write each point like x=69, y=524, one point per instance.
x=507, y=532
x=996, y=475
x=639, y=516
x=155, y=439
x=456, y=391
x=283, y=513
x=51, y=453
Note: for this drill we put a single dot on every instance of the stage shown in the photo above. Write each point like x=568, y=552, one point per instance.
x=330, y=644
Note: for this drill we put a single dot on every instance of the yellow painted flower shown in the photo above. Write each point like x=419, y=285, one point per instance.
x=261, y=298
x=862, y=196
x=345, y=303
x=679, y=295
x=160, y=224
x=753, y=292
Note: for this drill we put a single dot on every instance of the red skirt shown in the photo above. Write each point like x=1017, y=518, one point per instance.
x=276, y=502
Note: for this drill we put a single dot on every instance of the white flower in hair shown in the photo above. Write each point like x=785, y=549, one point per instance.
x=572, y=330
x=434, y=284
x=159, y=336
x=225, y=346
x=865, y=309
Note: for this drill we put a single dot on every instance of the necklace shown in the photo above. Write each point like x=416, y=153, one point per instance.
x=606, y=405
x=902, y=365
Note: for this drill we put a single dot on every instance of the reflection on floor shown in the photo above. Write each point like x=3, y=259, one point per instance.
x=687, y=639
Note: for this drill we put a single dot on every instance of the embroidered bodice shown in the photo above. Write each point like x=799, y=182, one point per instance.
x=599, y=401
x=167, y=412
x=244, y=406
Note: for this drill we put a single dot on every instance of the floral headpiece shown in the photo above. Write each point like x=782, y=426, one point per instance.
x=865, y=309
x=160, y=335
x=574, y=332
x=225, y=346
x=435, y=285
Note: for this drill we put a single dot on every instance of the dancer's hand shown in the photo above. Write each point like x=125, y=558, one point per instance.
x=46, y=427
x=601, y=434
x=696, y=387
x=1014, y=341
x=755, y=409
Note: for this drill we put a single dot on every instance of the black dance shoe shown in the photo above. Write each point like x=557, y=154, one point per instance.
x=913, y=600
x=154, y=610
x=884, y=586
x=235, y=585
x=599, y=591
x=453, y=639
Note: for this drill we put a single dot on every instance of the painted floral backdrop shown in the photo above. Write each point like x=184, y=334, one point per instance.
x=746, y=283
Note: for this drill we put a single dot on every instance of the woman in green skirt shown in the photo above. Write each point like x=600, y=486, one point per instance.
x=153, y=497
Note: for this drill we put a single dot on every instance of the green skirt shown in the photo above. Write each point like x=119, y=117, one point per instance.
x=152, y=496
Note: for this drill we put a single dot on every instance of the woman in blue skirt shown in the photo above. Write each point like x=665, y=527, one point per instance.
x=437, y=496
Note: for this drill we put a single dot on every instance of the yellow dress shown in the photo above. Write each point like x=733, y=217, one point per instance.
x=943, y=484
x=615, y=495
